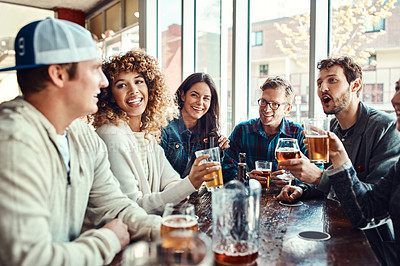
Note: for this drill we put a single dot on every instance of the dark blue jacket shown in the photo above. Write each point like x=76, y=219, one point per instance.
x=363, y=205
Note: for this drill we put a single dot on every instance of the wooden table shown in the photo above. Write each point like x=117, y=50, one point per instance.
x=279, y=243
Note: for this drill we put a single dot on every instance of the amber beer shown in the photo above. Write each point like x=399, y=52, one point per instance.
x=318, y=148
x=287, y=154
x=266, y=174
x=217, y=182
x=178, y=222
x=248, y=256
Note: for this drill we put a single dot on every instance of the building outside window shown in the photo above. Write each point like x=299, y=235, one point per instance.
x=269, y=59
x=373, y=93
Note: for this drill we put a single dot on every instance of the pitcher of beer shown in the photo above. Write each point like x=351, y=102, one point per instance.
x=235, y=220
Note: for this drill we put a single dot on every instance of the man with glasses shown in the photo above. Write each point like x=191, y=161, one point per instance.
x=258, y=137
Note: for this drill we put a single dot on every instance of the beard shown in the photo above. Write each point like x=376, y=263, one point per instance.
x=340, y=103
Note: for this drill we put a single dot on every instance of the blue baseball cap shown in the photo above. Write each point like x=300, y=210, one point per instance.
x=52, y=41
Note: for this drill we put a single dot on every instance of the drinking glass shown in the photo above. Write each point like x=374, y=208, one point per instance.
x=287, y=149
x=235, y=223
x=318, y=142
x=176, y=248
x=265, y=167
x=178, y=217
x=214, y=153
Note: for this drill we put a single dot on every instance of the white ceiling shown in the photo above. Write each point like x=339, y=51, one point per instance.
x=83, y=5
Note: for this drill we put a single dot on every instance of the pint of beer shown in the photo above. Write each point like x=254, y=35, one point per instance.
x=178, y=222
x=265, y=167
x=217, y=182
x=318, y=142
x=214, y=157
x=178, y=217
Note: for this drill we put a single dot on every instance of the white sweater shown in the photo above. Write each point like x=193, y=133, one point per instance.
x=42, y=208
x=164, y=185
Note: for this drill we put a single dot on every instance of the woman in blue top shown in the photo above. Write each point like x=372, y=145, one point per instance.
x=198, y=120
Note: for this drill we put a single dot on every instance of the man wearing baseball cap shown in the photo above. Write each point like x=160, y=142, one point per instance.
x=54, y=169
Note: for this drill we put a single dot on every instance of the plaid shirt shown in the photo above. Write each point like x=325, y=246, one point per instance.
x=249, y=137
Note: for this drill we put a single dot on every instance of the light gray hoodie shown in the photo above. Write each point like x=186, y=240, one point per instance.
x=42, y=209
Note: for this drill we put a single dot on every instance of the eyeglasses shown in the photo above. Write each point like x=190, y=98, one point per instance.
x=263, y=103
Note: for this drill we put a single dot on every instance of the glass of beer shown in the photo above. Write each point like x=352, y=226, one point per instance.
x=214, y=153
x=178, y=217
x=287, y=149
x=265, y=167
x=176, y=248
x=317, y=138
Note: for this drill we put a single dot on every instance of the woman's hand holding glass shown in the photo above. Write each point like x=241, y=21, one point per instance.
x=200, y=170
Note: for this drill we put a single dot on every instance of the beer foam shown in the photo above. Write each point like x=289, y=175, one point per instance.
x=179, y=221
x=316, y=136
x=286, y=149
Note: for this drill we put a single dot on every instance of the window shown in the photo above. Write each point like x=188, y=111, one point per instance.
x=264, y=70
x=113, y=17
x=374, y=27
x=370, y=63
x=171, y=42
x=131, y=12
x=96, y=25
x=256, y=38
x=208, y=38
x=372, y=60
x=282, y=20
x=373, y=93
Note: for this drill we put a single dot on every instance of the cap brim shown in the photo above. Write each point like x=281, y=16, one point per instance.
x=20, y=67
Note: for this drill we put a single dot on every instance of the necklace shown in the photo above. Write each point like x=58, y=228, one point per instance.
x=345, y=133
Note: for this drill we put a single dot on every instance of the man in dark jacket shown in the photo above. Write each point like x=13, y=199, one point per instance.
x=369, y=137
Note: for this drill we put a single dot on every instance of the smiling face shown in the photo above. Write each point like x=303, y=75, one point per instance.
x=334, y=91
x=131, y=94
x=271, y=119
x=196, y=102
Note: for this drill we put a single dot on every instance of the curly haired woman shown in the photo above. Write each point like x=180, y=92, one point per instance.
x=132, y=111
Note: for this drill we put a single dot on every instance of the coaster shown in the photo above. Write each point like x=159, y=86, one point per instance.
x=291, y=204
x=314, y=235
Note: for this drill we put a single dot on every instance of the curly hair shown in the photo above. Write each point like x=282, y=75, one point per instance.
x=161, y=106
x=351, y=69
x=209, y=122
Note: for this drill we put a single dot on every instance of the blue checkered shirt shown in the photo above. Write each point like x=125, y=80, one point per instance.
x=249, y=137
